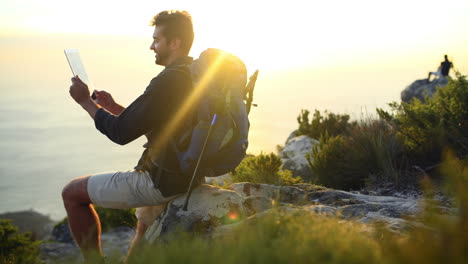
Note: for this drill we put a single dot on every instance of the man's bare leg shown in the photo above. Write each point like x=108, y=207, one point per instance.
x=82, y=218
x=137, y=240
x=144, y=215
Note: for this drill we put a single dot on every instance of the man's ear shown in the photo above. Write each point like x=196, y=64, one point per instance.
x=175, y=44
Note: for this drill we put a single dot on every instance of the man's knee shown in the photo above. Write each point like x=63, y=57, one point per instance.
x=76, y=191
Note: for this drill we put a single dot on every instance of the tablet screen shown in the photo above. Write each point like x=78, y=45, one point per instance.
x=77, y=67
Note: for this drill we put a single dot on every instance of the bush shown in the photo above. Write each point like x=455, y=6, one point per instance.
x=428, y=128
x=413, y=135
x=329, y=123
x=371, y=150
x=264, y=168
x=16, y=247
x=111, y=218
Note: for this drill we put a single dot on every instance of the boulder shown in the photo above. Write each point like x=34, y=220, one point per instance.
x=291, y=136
x=293, y=156
x=61, y=233
x=208, y=208
x=219, y=180
x=314, y=209
x=257, y=204
x=419, y=88
x=368, y=208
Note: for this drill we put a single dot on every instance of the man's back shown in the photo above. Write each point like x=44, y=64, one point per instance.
x=445, y=67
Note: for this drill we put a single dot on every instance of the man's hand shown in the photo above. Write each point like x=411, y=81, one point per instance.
x=105, y=99
x=80, y=93
x=79, y=90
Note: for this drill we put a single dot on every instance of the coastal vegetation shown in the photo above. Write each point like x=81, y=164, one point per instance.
x=399, y=146
x=264, y=168
x=16, y=247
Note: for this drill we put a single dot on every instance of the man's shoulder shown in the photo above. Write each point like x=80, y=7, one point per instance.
x=170, y=76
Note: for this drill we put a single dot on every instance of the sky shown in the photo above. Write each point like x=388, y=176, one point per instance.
x=270, y=34
x=345, y=56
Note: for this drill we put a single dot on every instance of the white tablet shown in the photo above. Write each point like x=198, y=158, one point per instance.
x=77, y=67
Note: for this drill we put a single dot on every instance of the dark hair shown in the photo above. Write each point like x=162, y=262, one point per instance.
x=177, y=24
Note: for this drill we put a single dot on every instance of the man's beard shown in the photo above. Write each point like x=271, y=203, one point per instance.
x=161, y=59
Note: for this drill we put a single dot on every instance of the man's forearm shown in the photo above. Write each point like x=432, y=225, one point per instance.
x=116, y=109
x=91, y=107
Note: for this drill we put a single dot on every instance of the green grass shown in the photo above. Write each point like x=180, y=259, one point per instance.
x=275, y=238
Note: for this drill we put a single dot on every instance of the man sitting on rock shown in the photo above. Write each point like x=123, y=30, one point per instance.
x=148, y=115
x=443, y=70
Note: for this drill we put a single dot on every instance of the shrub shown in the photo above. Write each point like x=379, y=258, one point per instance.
x=371, y=150
x=264, y=168
x=111, y=218
x=328, y=123
x=428, y=128
x=16, y=247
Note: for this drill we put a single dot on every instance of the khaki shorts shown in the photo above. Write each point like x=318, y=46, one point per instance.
x=128, y=189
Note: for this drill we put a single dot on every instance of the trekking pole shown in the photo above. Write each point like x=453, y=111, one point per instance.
x=189, y=192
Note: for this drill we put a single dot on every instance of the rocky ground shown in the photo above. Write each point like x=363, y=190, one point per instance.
x=213, y=210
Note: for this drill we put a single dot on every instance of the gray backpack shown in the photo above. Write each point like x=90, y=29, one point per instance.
x=218, y=141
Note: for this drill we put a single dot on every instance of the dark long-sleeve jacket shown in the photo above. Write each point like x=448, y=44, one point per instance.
x=149, y=115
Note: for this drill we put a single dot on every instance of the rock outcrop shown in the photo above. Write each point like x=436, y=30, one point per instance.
x=293, y=156
x=38, y=224
x=281, y=194
x=214, y=210
x=208, y=208
x=419, y=88
x=219, y=180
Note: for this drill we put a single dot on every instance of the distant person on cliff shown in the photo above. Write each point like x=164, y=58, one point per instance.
x=148, y=115
x=443, y=70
